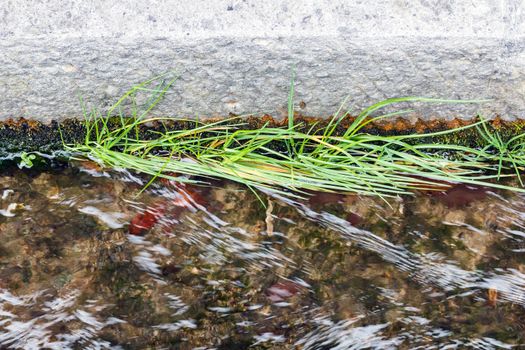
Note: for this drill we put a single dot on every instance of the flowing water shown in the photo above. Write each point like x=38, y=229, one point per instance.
x=88, y=261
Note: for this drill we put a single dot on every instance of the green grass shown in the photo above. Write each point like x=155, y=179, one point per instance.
x=290, y=161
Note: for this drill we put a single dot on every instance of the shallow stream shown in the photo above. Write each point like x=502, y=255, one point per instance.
x=87, y=260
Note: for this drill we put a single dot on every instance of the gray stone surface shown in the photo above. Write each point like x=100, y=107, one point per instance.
x=237, y=56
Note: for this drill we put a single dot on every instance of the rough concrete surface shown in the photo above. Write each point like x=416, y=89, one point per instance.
x=237, y=56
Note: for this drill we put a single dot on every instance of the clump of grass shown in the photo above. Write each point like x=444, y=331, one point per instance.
x=289, y=161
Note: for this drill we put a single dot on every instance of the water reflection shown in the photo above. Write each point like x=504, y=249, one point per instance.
x=87, y=260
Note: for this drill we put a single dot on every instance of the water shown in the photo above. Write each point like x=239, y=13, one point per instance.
x=204, y=268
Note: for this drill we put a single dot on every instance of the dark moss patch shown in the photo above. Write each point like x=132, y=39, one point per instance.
x=30, y=136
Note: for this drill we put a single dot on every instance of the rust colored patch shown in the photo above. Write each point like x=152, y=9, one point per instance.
x=460, y=195
x=22, y=123
x=90, y=165
x=324, y=198
x=354, y=218
x=283, y=290
x=143, y=222
x=186, y=197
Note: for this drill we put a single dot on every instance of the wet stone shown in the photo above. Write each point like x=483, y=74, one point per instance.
x=337, y=271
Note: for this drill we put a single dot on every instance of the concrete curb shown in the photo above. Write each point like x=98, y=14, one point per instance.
x=237, y=56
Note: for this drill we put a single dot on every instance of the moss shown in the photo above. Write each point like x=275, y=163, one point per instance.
x=29, y=136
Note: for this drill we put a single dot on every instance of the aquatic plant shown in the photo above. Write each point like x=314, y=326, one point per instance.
x=26, y=160
x=291, y=159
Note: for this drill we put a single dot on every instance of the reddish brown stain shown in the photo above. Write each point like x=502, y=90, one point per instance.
x=354, y=218
x=186, y=198
x=459, y=195
x=324, y=198
x=283, y=290
x=143, y=222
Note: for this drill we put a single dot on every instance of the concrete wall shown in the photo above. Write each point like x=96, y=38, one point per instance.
x=237, y=55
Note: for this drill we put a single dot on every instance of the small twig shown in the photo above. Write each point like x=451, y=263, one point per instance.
x=269, y=218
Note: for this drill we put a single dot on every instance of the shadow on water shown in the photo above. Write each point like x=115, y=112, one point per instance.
x=87, y=261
